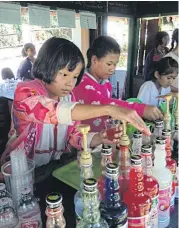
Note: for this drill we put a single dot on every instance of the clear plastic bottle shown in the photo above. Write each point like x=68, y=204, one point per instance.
x=164, y=177
x=54, y=211
x=136, y=143
x=8, y=215
x=29, y=210
x=91, y=214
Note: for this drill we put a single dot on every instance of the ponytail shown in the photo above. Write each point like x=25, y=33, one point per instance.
x=89, y=56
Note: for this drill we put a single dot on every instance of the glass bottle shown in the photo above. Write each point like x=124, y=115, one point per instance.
x=86, y=170
x=54, y=211
x=138, y=203
x=112, y=209
x=175, y=157
x=5, y=193
x=164, y=177
x=124, y=161
x=136, y=143
x=146, y=139
x=106, y=157
x=91, y=214
x=151, y=186
x=171, y=165
x=157, y=130
x=8, y=215
x=29, y=210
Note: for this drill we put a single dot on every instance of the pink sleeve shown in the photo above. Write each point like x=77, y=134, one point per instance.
x=33, y=107
x=89, y=96
x=135, y=106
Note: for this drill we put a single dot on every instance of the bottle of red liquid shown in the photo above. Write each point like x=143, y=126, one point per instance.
x=106, y=157
x=171, y=165
x=138, y=203
x=151, y=186
x=124, y=161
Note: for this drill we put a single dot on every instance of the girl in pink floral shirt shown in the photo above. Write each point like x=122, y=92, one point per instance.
x=45, y=113
x=95, y=87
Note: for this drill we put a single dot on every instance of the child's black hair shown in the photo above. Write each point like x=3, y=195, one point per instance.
x=26, y=47
x=166, y=66
x=159, y=37
x=54, y=55
x=174, y=39
x=102, y=46
x=7, y=73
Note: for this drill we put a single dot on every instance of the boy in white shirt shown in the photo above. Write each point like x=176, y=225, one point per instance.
x=165, y=73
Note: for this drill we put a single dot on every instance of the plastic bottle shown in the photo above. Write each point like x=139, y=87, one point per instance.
x=164, y=177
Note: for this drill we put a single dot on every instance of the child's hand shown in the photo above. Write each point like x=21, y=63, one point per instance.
x=105, y=140
x=152, y=113
x=101, y=138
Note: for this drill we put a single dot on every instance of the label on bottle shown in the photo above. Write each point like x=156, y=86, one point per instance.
x=164, y=205
x=154, y=212
x=139, y=222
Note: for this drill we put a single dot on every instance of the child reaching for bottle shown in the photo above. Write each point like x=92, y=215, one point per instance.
x=165, y=73
x=95, y=87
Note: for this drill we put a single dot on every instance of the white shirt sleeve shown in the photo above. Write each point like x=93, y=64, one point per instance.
x=145, y=93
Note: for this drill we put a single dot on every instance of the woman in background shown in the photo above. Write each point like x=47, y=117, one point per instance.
x=174, y=54
x=95, y=87
x=160, y=50
x=24, y=71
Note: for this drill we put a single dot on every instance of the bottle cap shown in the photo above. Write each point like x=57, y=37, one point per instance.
x=106, y=150
x=90, y=185
x=112, y=168
x=137, y=134
x=160, y=140
x=136, y=160
x=54, y=199
x=2, y=186
x=158, y=123
x=166, y=132
x=146, y=149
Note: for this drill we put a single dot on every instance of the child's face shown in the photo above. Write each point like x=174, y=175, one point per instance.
x=105, y=66
x=166, y=80
x=64, y=82
x=165, y=41
x=31, y=52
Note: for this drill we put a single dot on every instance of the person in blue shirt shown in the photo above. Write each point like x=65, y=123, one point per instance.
x=24, y=71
